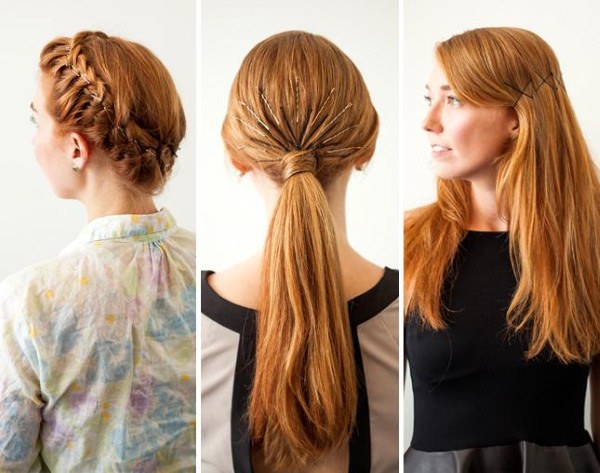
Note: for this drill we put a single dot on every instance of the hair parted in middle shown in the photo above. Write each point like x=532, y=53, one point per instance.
x=300, y=112
x=547, y=189
x=121, y=97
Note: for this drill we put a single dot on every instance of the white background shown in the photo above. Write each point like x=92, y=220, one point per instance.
x=36, y=224
x=232, y=222
x=571, y=28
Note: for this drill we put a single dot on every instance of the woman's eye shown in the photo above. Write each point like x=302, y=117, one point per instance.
x=452, y=100
x=427, y=99
x=32, y=120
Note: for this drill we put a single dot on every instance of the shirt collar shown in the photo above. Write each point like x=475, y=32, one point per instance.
x=150, y=227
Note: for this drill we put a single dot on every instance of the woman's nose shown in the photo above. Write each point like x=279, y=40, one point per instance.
x=432, y=122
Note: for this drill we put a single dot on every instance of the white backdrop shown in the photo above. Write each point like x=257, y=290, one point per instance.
x=232, y=221
x=571, y=28
x=36, y=224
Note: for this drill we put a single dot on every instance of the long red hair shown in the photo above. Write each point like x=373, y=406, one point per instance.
x=547, y=189
x=300, y=112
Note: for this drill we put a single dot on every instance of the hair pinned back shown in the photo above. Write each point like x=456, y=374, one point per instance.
x=300, y=112
x=547, y=189
x=298, y=92
x=119, y=96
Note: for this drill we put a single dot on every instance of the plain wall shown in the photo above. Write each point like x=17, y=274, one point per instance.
x=36, y=224
x=571, y=28
x=232, y=223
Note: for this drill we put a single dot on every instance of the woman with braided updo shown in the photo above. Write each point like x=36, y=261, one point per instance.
x=300, y=342
x=98, y=345
x=502, y=292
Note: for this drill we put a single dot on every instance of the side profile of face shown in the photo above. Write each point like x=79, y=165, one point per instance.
x=465, y=139
x=53, y=151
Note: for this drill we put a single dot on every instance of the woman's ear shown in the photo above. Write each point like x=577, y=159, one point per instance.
x=514, y=125
x=239, y=167
x=79, y=149
x=361, y=162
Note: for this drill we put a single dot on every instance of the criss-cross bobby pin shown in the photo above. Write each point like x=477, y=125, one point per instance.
x=550, y=79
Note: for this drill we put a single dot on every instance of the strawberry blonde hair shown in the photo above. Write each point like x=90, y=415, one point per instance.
x=547, y=189
x=300, y=112
x=119, y=96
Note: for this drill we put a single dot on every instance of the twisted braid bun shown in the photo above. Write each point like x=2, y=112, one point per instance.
x=119, y=96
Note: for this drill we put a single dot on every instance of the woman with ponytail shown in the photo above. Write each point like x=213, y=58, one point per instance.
x=97, y=346
x=299, y=343
x=502, y=294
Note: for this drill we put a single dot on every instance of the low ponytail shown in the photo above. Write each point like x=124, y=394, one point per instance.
x=300, y=113
x=304, y=396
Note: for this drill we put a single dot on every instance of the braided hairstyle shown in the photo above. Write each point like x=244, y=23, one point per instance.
x=300, y=112
x=118, y=95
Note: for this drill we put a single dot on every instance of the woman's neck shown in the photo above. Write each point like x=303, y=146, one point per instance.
x=241, y=283
x=484, y=209
x=103, y=197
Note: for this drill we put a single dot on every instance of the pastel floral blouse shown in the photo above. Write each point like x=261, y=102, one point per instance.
x=97, y=353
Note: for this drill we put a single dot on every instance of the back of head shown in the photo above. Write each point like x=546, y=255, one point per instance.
x=297, y=94
x=300, y=112
x=119, y=96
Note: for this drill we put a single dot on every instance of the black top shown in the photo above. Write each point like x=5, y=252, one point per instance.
x=473, y=386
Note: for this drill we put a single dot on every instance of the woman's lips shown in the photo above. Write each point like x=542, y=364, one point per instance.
x=439, y=151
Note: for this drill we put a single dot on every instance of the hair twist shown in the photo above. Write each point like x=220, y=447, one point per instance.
x=297, y=162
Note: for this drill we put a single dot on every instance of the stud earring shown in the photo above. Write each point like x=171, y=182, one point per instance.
x=75, y=168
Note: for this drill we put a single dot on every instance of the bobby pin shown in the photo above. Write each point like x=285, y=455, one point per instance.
x=324, y=103
x=278, y=147
x=289, y=126
x=339, y=133
x=556, y=81
x=250, y=126
x=264, y=159
x=342, y=149
x=244, y=104
x=530, y=88
x=264, y=99
x=264, y=150
x=338, y=115
x=297, y=100
x=78, y=73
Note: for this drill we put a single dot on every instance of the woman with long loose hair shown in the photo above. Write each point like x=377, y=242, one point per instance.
x=502, y=295
x=97, y=345
x=299, y=343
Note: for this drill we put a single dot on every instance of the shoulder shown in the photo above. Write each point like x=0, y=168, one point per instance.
x=239, y=284
x=36, y=275
x=32, y=290
x=185, y=236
